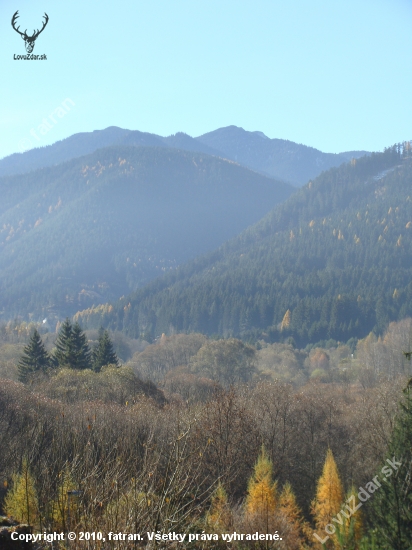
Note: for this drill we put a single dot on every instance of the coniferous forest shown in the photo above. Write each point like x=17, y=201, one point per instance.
x=333, y=262
x=97, y=227
x=196, y=355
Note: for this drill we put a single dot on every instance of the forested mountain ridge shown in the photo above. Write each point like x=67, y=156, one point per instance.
x=276, y=158
x=97, y=227
x=332, y=262
x=85, y=143
x=280, y=158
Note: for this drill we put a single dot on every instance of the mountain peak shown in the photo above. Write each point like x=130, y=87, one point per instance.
x=276, y=158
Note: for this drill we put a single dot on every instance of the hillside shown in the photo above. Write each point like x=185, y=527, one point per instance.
x=279, y=158
x=332, y=262
x=98, y=227
x=276, y=158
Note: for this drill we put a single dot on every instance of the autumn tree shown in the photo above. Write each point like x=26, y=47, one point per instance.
x=21, y=501
x=261, y=493
x=286, y=321
x=329, y=497
x=219, y=517
x=300, y=530
x=60, y=505
x=225, y=361
x=167, y=354
x=34, y=358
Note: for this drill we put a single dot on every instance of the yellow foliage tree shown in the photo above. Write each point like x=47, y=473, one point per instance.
x=60, y=506
x=21, y=501
x=261, y=495
x=286, y=320
x=329, y=494
x=300, y=529
x=219, y=517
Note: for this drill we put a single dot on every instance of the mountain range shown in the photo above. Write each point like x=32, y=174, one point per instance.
x=150, y=235
x=277, y=158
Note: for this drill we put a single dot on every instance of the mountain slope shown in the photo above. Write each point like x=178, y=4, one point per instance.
x=333, y=261
x=277, y=158
x=74, y=146
x=97, y=227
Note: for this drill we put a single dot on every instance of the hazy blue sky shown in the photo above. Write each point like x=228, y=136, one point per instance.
x=332, y=74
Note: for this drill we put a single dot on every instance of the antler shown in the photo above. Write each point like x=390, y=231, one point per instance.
x=36, y=34
x=13, y=22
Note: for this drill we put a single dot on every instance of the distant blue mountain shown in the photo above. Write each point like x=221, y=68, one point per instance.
x=276, y=158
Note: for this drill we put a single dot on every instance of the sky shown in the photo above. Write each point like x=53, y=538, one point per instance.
x=331, y=74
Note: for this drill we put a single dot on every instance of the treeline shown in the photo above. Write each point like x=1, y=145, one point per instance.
x=189, y=366
x=332, y=262
x=71, y=351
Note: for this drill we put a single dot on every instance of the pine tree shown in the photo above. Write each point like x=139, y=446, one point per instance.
x=34, y=359
x=104, y=353
x=329, y=495
x=261, y=495
x=392, y=504
x=21, y=501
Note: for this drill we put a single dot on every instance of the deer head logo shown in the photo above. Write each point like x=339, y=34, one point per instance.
x=28, y=40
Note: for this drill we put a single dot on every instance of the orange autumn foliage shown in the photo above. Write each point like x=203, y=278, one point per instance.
x=329, y=494
x=261, y=497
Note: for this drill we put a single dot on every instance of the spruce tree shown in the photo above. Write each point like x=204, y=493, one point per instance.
x=34, y=359
x=72, y=350
x=104, y=353
x=64, y=353
x=391, y=506
x=82, y=354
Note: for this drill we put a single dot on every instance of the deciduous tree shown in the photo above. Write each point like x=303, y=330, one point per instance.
x=329, y=495
x=219, y=518
x=261, y=495
x=21, y=501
